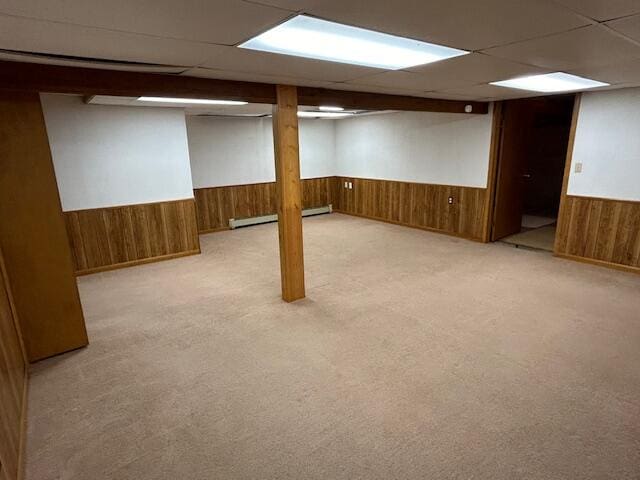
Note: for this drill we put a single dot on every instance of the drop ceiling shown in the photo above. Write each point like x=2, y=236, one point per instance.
x=599, y=39
x=248, y=110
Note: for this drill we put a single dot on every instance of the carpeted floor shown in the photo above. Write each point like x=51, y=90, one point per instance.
x=415, y=356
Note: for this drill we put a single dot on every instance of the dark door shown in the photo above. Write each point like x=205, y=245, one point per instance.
x=516, y=120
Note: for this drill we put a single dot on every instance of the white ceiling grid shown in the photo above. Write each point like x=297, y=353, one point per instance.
x=599, y=39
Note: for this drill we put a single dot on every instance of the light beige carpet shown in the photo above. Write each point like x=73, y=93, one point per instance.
x=541, y=238
x=415, y=356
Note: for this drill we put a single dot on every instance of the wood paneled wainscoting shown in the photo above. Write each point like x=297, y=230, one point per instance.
x=13, y=384
x=115, y=237
x=601, y=231
x=418, y=205
x=217, y=205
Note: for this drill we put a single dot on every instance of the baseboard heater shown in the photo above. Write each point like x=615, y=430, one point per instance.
x=245, y=222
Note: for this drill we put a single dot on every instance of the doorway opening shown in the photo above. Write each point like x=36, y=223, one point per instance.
x=531, y=160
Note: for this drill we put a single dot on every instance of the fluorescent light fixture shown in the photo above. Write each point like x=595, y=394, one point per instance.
x=308, y=114
x=309, y=37
x=331, y=109
x=551, y=82
x=191, y=101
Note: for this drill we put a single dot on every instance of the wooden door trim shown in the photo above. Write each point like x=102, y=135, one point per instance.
x=562, y=211
x=492, y=173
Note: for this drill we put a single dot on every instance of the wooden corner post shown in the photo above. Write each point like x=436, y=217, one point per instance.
x=288, y=192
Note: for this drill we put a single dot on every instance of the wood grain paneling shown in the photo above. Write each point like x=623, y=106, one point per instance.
x=601, y=231
x=32, y=232
x=288, y=193
x=417, y=205
x=13, y=384
x=115, y=237
x=605, y=231
x=217, y=205
x=412, y=204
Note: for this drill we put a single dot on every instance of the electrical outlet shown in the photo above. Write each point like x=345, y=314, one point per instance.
x=350, y=185
x=578, y=168
x=346, y=184
x=450, y=200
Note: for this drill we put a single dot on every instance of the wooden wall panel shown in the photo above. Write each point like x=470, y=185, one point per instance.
x=288, y=192
x=413, y=204
x=32, y=232
x=216, y=206
x=601, y=230
x=114, y=237
x=13, y=383
x=417, y=205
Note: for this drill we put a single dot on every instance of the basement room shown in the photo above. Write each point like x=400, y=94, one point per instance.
x=319, y=240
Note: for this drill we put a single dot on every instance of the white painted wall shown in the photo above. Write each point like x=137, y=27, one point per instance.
x=234, y=151
x=115, y=155
x=607, y=143
x=110, y=155
x=437, y=148
x=119, y=155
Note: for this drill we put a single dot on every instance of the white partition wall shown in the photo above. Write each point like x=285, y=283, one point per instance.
x=106, y=156
x=124, y=179
x=607, y=145
x=238, y=151
x=436, y=148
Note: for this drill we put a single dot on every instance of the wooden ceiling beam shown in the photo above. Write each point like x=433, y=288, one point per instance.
x=380, y=101
x=92, y=81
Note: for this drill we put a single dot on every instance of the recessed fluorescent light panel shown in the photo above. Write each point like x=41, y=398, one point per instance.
x=190, y=101
x=331, y=109
x=550, y=83
x=310, y=114
x=309, y=37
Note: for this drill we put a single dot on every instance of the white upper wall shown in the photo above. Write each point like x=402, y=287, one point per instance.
x=110, y=155
x=607, y=143
x=120, y=155
x=235, y=151
x=437, y=148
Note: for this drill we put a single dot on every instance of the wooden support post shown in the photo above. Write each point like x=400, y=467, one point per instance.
x=288, y=192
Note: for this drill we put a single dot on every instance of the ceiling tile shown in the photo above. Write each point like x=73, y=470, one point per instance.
x=264, y=63
x=376, y=89
x=580, y=48
x=484, y=91
x=110, y=100
x=395, y=80
x=603, y=9
x=494, y=92
x=456, y=72
x=452, y=96
x=216, y=21
x=470, y=25
x=252, y=77
x=27, y=35
x=617, y=73
x=629, y=26
x=249, y=109
x=102, y=65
